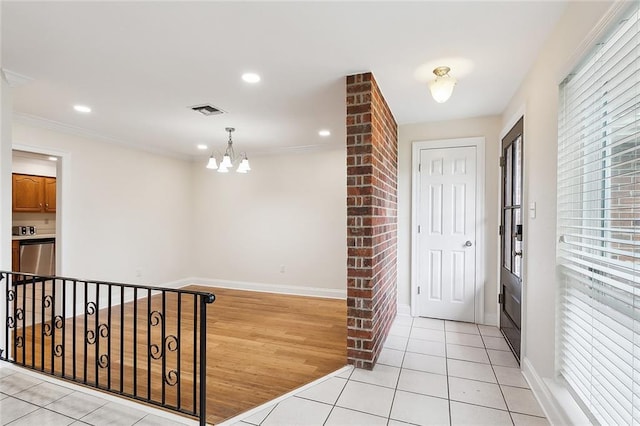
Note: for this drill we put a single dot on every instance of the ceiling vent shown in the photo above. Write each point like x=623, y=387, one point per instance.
x=207, y=109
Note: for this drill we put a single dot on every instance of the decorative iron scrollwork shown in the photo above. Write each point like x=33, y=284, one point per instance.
x=58, y=350
x=103, y=329
x=90, y=337
x=47, y=301
x=154, y=351
x=19, y=314
x=171, y=378
x=59, y=322
x=47, y=329
x=19, y=342
x=171, y=343
x=91, y=308
x=103, y=361
x=11, y=323
x=155, y=318
x=11, y=295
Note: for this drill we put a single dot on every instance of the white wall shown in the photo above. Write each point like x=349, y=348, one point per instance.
x=289, y=211
x=122, y=210
x=488, y=127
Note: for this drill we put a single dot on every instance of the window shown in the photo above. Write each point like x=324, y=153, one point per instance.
x=599, y=227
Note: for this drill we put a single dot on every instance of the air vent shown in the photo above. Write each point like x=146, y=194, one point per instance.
x=207, y=109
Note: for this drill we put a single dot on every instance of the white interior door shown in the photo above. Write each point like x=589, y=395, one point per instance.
x=447, y=236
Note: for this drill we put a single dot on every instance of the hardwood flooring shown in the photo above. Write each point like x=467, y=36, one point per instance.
x=259, y=346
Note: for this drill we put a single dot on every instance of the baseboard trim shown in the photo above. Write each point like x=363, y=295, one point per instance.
x=557, y=403
x=404, y=309
x=490, y=319
x=262, y=287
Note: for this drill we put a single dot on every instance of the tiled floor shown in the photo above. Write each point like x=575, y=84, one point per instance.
x=430, y=372
x=25, y=400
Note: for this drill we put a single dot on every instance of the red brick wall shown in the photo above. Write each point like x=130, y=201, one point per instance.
x=372, y=171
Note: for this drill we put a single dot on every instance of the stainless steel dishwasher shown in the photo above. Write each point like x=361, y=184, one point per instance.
x=38, y=256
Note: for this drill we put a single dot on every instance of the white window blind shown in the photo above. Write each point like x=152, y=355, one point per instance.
x=599, y=227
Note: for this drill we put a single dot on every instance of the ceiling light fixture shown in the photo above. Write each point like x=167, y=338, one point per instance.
x=82, y=108
x=202, y=147
x=442, y=87
x=251, y=77
x=324, y=133
x=229, y=158
x=53, y=158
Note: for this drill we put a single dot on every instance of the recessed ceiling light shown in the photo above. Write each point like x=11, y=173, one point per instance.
x=251, y=77
x=324, y=133
x=82, y=108
x=202, y=147
x=53, y=158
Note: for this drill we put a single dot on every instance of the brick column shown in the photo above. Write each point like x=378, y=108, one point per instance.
x=372, y=170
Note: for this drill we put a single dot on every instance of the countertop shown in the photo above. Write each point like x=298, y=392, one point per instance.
x=32, y=237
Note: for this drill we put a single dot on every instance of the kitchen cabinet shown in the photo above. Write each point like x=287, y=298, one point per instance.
x=35, y=194
x=15, y=255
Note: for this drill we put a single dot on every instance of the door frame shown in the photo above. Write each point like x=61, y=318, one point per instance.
x=480, y=276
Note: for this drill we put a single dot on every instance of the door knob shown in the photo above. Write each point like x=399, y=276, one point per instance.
x=468, y=243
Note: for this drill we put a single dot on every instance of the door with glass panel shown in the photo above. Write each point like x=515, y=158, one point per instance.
x=511, y=237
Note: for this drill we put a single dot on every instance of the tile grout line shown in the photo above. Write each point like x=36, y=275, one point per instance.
x=497, y=381
x=346, y=382
x=395, y=390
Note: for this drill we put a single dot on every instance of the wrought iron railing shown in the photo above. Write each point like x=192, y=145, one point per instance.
x=144, y=343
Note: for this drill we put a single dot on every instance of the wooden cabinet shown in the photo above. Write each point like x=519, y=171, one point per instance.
x=15, y=256
x=35, y=194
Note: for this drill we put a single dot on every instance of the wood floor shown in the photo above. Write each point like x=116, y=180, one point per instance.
x=259, y=346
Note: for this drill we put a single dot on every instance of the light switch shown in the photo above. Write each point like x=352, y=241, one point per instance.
x=532, y=210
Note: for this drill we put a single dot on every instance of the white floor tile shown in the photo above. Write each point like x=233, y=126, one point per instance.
x=391, y=357
x=4, y=372
x=471, y=370
x=400, y=330
x=76, y=405
x=467, y=353
x=326, y=391
x=298, y=411
x=466, y=414
x=465, y=339
x=461, y=327
x=489, y=330
x=423, y=383
x=403, y=320
x=257, y=418
x=381, y=375
x=427, y=334
x=522, y=401
x=42, y=416
x=432, y=323
x=426, y=347
x=367, y=398
x=510, y=376
x=17, y=382
x=343, y=417
x=428, y=363
x=113, y=414
x=524, y=420
x=397, y=423
x=43, y=393
x=504, y=358
x=420, y=409
x=396, y=342
x=13, y=409
x=474, y=392
x=346, y=374
x=3, y=396
x=497, y=343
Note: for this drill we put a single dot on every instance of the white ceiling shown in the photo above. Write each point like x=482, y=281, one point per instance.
x=139, y=65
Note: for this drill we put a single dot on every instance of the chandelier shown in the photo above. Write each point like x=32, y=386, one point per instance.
x=229, y=158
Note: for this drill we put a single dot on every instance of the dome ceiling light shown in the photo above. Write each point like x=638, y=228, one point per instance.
x=442, y=87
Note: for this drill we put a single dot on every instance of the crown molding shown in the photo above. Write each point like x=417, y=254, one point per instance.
x=43, y=123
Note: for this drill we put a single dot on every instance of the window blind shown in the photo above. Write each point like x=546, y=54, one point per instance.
x=598, y=227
